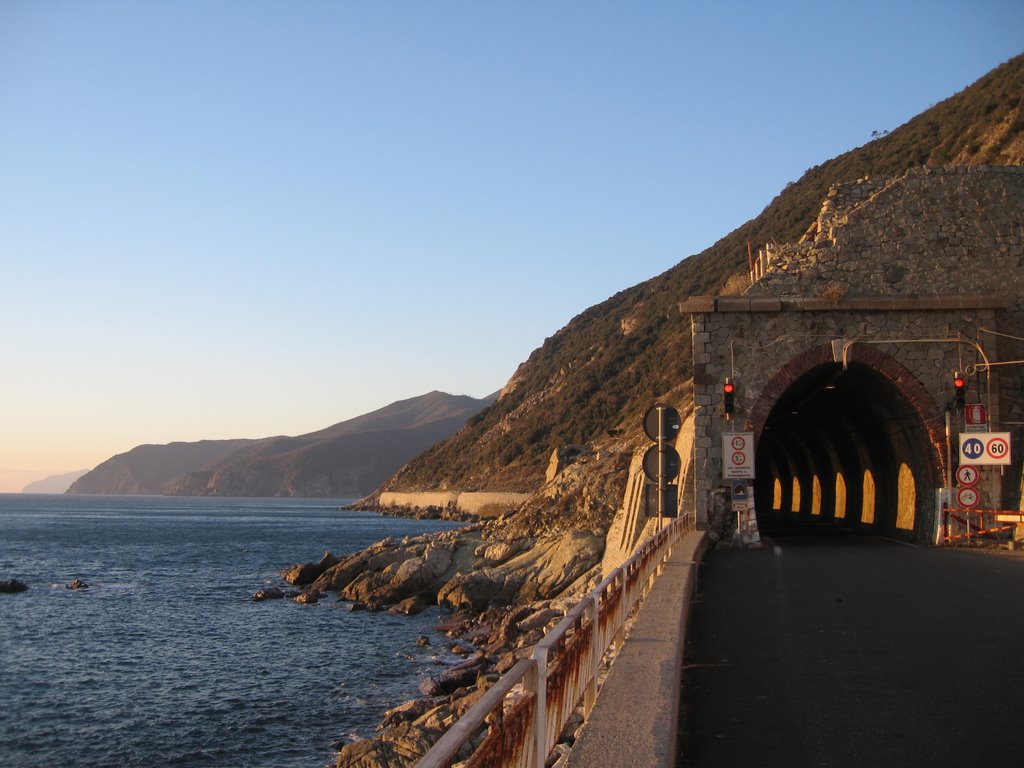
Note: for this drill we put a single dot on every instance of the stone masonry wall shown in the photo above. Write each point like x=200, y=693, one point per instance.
x=930, y=232
x=754, y=347
x=933, y=254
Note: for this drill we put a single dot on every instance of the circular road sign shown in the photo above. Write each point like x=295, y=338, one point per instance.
x=973, y=448
x=671, y=464
x=997, y=448
x=967, y=497
x=669, y=418
x=967, y=475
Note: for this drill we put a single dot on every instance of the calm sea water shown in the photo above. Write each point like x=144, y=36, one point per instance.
x=165, y=660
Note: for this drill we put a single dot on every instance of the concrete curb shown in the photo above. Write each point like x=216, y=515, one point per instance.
x=635, y=720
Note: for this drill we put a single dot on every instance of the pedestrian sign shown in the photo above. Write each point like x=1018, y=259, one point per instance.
x=967, y=475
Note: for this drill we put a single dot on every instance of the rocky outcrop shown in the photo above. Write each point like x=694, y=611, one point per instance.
x=501, y=585
x=403, y=745
x=545, y=570
x=493, y=641
x=505, y=580
x=303, y=574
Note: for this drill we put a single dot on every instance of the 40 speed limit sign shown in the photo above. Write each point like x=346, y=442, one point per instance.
x=985, y=448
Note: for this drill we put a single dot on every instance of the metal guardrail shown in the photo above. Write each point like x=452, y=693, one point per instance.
x=519, y=719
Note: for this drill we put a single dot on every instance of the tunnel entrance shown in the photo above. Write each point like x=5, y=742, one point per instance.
x=847, y=449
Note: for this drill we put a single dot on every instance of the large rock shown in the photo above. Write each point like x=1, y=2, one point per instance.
x=416, y=576
x=478, y=590
x=304, y=574
x=545, y=571
x=337, y=577
x=502, y=551
x=397, y=747
x=570, y=556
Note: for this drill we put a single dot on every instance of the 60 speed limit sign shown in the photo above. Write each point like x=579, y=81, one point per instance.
x=985, y=448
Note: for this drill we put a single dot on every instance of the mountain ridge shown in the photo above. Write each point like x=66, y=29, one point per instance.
x=344, y=460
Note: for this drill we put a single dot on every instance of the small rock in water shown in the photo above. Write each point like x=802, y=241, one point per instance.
x=411, y=606
x=423, y=641
x=77, y=584
x=10, y=586
x=268, y=593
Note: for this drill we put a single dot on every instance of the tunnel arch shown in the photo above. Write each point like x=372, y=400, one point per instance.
x=816, y=421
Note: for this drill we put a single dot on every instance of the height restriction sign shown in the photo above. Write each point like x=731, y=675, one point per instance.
x=738, y=456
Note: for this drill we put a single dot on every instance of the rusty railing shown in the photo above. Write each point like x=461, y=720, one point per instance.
x=518, y=721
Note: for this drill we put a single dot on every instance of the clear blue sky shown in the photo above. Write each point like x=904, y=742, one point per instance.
x=240, y=219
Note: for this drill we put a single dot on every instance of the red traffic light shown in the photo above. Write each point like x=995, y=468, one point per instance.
x=959, y=390
x=728, y=387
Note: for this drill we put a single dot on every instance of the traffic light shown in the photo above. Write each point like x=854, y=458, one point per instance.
x=728, y=393
x=959, y=389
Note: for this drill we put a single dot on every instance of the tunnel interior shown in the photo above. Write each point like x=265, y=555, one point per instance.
x=844, y=449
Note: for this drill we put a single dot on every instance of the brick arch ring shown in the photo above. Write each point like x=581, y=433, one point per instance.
x=886, y=366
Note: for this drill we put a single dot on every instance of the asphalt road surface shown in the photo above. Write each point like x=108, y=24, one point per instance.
x=854, y=651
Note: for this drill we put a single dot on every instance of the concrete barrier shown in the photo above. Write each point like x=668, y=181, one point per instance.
x=470, y=502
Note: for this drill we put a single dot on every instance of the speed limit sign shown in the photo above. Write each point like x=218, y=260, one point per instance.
x=985, y=448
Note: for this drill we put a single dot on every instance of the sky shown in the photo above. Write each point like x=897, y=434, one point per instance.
x=244, y=218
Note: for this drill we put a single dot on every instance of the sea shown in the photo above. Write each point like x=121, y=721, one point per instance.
x=165, y=660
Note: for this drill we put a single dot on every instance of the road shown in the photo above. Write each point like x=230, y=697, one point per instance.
x=854, y=651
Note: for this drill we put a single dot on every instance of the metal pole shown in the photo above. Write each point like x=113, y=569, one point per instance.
x=949, y=468
x=540, y=712
x=661, y=466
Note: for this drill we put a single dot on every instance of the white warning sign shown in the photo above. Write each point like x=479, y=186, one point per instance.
x=738, y=456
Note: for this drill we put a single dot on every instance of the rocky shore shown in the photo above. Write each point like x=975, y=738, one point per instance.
x=502, y=582
x=500, y=595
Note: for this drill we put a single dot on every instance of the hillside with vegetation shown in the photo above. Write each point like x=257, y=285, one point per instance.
x=590, y=383
x=345, y=460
